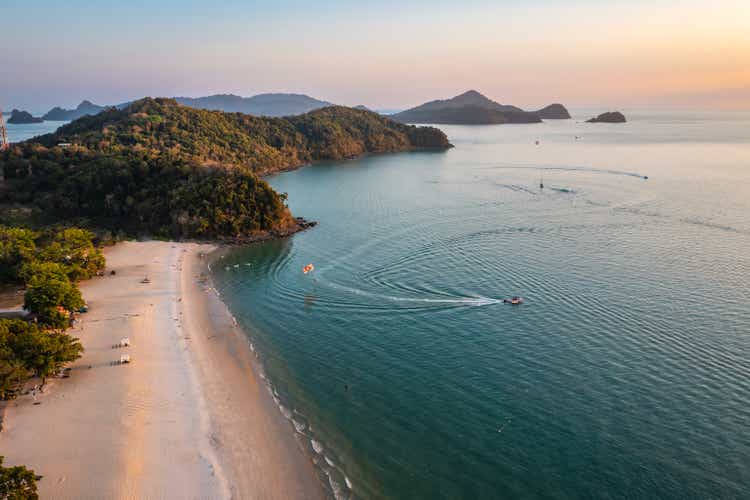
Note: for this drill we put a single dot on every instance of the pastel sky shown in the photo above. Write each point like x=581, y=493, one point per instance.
x=382, y=53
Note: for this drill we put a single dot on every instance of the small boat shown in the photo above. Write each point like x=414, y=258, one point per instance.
x=513, y=301
x=146, y=280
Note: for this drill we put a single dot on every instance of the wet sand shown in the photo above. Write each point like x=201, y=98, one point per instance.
x=187, y=418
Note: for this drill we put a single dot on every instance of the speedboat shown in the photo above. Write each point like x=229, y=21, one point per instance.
x=513, y=301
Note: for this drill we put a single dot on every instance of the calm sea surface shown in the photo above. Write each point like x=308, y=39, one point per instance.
x=626, y=372
x=22, y=131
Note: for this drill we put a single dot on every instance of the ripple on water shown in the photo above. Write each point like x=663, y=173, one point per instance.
x=625, y=372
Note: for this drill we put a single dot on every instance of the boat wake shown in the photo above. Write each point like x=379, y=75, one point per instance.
x=476, y=301
x=571, y=169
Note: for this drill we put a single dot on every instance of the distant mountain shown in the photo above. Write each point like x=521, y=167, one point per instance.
x=18, y=117
x=610, y=117
x=83, y=109
x=259, y=105
x=473, y=108
x=362, y=107
x=553, y=112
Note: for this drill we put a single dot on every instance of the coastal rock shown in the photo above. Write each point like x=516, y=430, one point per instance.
x=19, y=117
x=609, y=117
x=553, y=112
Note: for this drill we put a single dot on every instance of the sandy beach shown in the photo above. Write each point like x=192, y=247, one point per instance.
x=188, y=418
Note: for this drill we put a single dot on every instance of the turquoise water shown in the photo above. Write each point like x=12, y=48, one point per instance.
x=626, y=372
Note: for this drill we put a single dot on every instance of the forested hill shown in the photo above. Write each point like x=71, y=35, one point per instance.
x=263, y=144
x=161, y=168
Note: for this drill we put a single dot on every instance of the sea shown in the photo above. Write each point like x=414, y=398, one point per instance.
x=625, y=372
x=18, y=132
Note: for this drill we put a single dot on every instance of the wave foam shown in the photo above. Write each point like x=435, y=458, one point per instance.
x=317, y=446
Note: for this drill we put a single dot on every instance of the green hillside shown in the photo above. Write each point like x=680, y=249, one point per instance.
x=161, y=168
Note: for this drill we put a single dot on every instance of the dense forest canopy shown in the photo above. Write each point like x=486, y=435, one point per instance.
x=162, y=168
x=262, y=144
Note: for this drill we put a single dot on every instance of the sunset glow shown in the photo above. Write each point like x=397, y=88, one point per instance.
x=385, y=55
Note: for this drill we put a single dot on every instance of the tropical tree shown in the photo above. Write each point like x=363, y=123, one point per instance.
x=12, y=369
x=17, y=246
x=74, y=249
x=52, y=297
x=41, y=353
x=17, y=483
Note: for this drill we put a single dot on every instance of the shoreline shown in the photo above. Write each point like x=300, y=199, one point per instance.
x=189, y=417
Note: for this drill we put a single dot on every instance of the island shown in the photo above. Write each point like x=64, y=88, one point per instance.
x=19, y=117
x=473, y=108
x=609, y=117
x=117, y=167
x=553, y=112
x=58, y=114
x=274, y=104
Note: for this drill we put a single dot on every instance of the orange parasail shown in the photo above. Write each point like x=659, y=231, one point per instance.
x=308, y=268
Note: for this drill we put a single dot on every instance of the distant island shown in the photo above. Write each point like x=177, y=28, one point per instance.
x=258, y=105
x=468, y=108
x=18, y=117
x=473, y=108
x=277, y=104
x=117, y=168
x=609, y=117
x=553, y=112
x=63, y=115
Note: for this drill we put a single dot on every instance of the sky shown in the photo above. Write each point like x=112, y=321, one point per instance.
x=385, y=54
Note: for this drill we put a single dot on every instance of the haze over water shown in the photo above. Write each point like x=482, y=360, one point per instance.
x=626, y=372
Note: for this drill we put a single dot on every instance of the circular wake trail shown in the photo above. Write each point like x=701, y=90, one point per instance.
x=458, y=300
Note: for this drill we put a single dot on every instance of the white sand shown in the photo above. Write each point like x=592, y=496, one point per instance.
x=188, y=418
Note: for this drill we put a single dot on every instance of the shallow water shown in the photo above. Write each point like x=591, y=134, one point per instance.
x=626, y=372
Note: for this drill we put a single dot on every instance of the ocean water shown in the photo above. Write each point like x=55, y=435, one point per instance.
x=625, y=373
x=18, y=132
